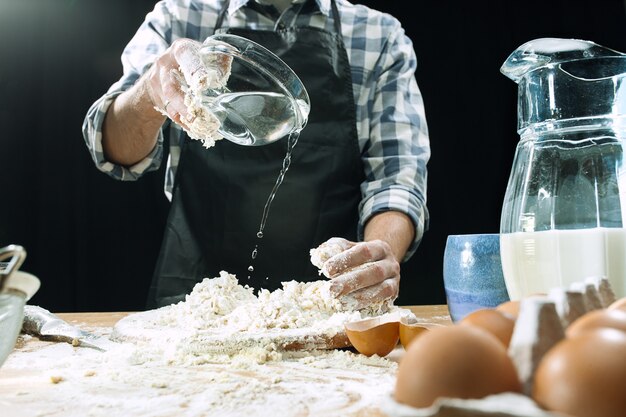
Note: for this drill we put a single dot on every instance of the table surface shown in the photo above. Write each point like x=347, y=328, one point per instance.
x=35, y=381
x=437, y=314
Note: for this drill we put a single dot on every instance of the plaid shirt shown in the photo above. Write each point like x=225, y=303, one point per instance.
x=391, y=123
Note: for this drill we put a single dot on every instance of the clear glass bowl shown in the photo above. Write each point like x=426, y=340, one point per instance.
x=262, y=99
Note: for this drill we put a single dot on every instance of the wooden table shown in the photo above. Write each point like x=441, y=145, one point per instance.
x=45, y=379
x=437, y=314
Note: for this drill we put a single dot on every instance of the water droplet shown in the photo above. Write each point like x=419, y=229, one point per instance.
x=254, y=253
x=250, y=268
x=259, y=235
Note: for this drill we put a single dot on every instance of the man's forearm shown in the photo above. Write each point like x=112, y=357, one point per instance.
x=393, y=227
x=131, y=126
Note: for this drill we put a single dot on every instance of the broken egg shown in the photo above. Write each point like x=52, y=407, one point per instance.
x=454, y=362
x=409, y=330
x=374, y=336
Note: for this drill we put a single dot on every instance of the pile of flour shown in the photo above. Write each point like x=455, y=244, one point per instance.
x=223, y=321
x=222, y=302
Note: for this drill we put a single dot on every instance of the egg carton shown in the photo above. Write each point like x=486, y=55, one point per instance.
x=540, y=325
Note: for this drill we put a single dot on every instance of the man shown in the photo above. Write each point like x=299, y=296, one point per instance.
x=358, y=171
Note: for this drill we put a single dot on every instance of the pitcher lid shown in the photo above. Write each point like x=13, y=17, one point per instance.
x=564, y=79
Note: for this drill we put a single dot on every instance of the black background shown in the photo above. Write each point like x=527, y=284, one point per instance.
x=93, y=241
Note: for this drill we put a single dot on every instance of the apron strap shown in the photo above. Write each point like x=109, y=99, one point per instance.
x=294, y=16
x=336, y=19
x=222, y=15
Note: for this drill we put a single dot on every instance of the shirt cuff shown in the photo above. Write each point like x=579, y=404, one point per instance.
x=396, y=199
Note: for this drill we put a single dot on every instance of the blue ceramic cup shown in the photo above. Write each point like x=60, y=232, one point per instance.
x=472, y=273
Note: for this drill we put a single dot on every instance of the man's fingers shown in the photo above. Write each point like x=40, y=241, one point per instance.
x=164, y=86
x=187, y=55
x=174, y=95
x=358, y=254
x=363, y=276
x=328, y=249
x=386, y=290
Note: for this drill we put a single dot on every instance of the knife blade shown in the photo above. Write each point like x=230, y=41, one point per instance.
x=42, y=323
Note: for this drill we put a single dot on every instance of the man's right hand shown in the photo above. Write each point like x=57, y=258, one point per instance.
x=171, y=73
x=133, y=120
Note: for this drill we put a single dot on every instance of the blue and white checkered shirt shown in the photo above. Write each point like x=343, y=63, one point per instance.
x=391, y=122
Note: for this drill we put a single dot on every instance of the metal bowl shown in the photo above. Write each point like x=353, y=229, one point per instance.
x=16, y=288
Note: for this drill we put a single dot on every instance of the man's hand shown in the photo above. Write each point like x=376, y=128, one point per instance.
x=132, y=121
x=366, y=272
x=171, y=74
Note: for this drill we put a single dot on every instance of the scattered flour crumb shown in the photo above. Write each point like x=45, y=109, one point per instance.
x=55, y=379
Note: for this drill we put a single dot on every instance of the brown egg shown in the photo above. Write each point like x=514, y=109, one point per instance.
x=619, y=304
x=509, y=307
x=454, y=361
x=615, y=319
x=375, y=336
x=496, y=322
x=584, y=376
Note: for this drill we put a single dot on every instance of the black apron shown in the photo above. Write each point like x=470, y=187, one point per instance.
x=219, y=193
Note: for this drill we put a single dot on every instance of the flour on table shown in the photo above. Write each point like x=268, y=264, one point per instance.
x=218, y=352
x=222, y=321
x=93, y=383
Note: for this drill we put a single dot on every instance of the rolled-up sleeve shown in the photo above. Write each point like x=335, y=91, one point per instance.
x=398, y=147
x=151, y=40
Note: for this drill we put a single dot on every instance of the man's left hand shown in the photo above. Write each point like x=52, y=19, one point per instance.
x=367, y=272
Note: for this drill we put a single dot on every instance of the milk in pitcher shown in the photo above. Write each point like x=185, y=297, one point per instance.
x=535, y=262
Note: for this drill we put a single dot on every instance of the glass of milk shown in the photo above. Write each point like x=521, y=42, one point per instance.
x=563, y=212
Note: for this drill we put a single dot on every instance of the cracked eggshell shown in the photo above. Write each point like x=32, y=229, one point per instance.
x=409, y=331
x=374, y=336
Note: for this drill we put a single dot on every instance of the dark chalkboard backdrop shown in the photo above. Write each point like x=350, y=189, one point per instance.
x=93, y=241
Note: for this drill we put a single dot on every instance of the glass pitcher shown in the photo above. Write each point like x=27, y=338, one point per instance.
x=563, y=212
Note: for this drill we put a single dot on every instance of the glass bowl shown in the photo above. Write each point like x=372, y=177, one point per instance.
x=258, y=98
